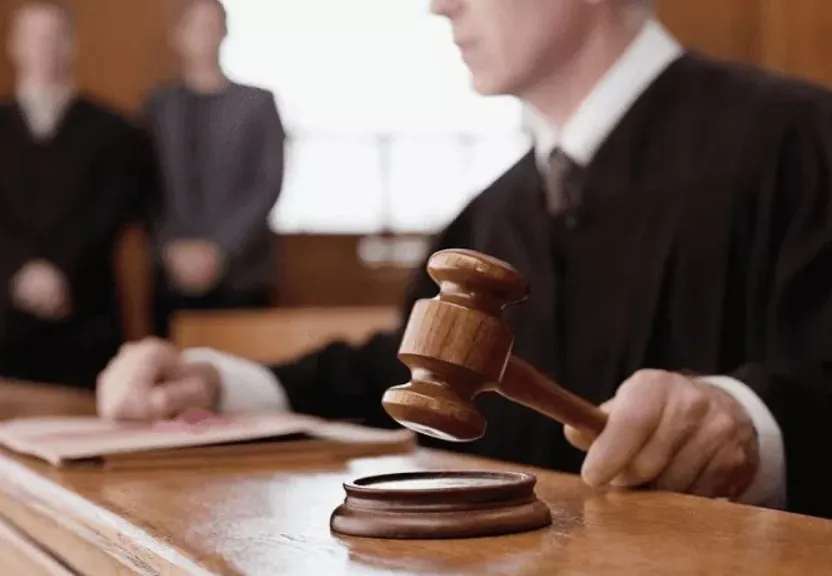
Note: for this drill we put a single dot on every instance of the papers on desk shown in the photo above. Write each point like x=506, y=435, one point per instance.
x=195, y=436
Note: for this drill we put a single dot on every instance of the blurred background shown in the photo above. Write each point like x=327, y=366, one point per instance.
x=385, y=140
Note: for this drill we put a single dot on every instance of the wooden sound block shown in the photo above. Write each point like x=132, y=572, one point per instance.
x=434, y=505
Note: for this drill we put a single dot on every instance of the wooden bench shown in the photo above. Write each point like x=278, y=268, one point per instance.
x=278, y=334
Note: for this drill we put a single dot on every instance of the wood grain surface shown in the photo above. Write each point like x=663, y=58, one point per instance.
x=20, y=556
x=227, y=518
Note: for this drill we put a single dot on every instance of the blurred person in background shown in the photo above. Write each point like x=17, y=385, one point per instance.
x=67, y=191
x=220, y=151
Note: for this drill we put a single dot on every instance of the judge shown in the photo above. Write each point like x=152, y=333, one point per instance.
x=674, y=224
x=66, y=192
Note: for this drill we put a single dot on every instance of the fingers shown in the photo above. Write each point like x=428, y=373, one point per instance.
x=578, y=438
x=681, y=418
x=123, y=387
x=639, y=407
x=694, y=456
x=582, y=439
x=673, y=433
x=44, y=305
x=725, y=475
x=50, y=305
x=172, y=398
x=148, y=381
x=733, y=463
x=41, y=289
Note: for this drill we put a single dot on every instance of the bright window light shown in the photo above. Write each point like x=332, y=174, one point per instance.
x=385, y=131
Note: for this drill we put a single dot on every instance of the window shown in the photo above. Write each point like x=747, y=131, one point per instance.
x=384, y=130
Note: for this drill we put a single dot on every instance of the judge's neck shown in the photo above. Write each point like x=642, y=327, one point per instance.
x=40, y=83
x=561, y=92
x=204, y=77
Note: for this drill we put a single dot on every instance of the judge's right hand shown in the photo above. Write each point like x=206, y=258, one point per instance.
x=40, y=289
x=150, y=380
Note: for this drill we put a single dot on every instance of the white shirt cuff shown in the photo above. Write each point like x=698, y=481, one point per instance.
x=245, y=386
x=769, y=486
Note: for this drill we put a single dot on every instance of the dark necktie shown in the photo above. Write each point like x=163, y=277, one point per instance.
x=562, y=191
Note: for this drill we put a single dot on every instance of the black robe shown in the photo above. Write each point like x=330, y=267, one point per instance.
x=66, y=200
x=703, y=244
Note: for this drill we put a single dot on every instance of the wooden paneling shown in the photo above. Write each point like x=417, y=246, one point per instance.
x=6, y=73
x=727, y=29
x=134, y=275
x=326, y=270
x=122, y=50
x=796, y=38
x=277, y=336
x=780, y=35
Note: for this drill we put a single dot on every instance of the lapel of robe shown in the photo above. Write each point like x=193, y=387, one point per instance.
x=632, y=255
x=515, y=228
x=665, y=243
x=630, y=217
x=627, y=266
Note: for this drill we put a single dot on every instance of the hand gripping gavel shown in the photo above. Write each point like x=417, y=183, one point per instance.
x=456, y=346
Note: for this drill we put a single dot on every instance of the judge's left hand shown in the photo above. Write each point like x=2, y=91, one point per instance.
x=675, y=433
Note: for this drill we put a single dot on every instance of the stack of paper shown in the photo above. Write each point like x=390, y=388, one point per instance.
x=196, y=436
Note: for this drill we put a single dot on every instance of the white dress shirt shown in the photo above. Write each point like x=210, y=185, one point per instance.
x=249, y=386
x=43, y=110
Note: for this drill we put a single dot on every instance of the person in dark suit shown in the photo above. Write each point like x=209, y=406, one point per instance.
x=674, y=222
x=220, y=150
x=67, y=190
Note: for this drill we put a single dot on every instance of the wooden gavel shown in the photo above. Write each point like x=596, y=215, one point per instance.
x=457, y=345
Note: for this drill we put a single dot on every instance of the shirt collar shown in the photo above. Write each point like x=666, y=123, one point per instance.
x=55, y=96
x=43, y=109
x=652, y=51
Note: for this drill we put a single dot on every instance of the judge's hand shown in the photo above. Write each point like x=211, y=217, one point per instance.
x=39, y=288
x=671, y=432
x=194, y=266
x=149, y=380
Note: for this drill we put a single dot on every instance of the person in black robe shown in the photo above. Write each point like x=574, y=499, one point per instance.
x=680, y=258
x=68, y=187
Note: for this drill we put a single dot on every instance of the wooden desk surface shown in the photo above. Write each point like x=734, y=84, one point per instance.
x=267, y=520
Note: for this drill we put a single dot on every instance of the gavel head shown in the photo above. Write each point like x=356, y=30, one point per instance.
x=456, y=345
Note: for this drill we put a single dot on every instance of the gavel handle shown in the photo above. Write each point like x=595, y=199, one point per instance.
x=523, y=384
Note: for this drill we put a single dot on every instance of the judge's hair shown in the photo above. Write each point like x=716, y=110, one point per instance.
x=187, y=5
x=62, y=7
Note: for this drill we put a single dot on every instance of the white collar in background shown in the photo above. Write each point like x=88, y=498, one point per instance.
x=55, y=96
x=44, y=109
x=652, y=51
